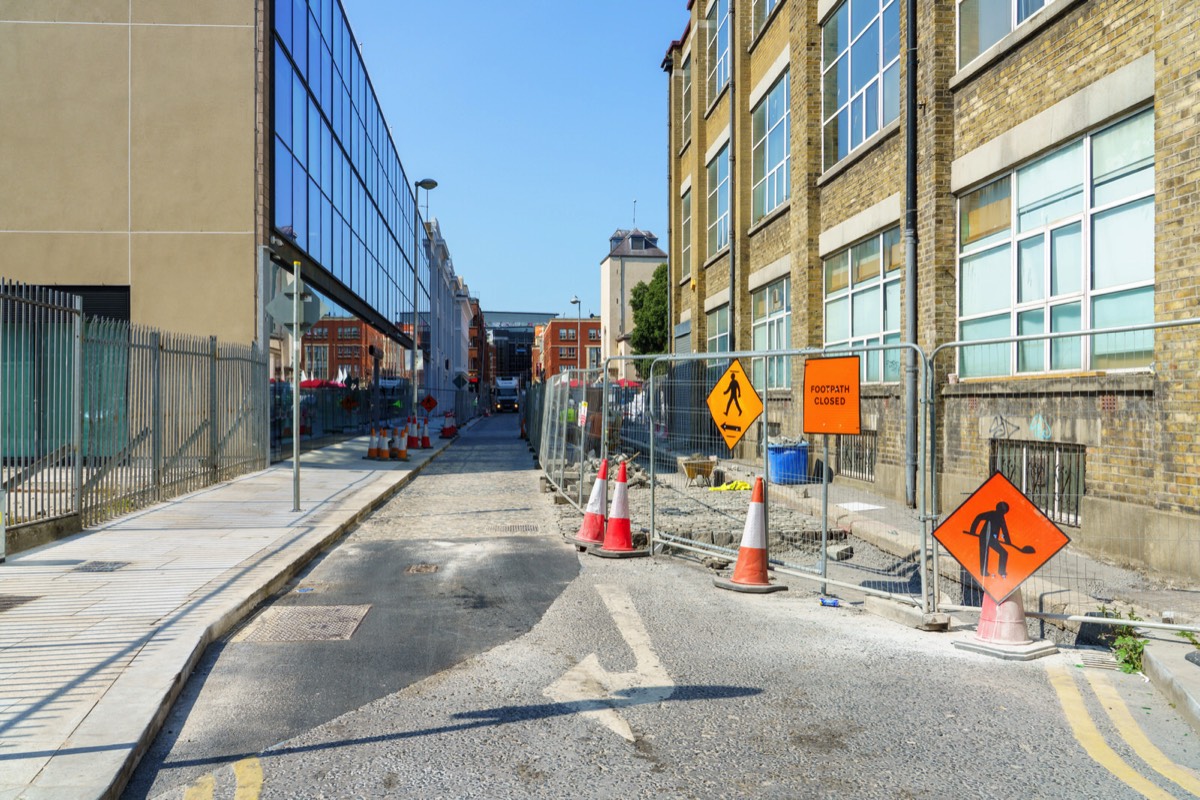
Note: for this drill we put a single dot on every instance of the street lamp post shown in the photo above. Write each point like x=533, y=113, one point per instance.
x=578, y=331
x=426, y=184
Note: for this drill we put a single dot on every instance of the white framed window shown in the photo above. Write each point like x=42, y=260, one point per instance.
x=762, y=10
x=685, y=251
x=593, y=335
x=770, y=127
x=566, y=352
x=982, y=23
x=1061, y=244
x=860, y=65
x=718, y=48
x=593, y=357
x=718, y=330
x=771, y=329
x=862, y=302
x=718, y=201
x=687, y=98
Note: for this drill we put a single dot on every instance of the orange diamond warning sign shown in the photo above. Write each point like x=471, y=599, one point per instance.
x=1000, y=537
x=734, y=404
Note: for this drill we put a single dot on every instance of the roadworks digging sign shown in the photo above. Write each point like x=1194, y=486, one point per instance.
x=832, y=394
x=734, y=404
x=1000, y=537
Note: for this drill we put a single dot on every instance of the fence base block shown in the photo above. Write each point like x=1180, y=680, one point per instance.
x=600, y=551
x=907, y=615
x=1009, y=652
x=749, y=588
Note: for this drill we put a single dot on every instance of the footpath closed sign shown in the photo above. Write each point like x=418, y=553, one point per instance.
x=832, y=395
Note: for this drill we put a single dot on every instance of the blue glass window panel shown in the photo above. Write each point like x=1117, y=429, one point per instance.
x=300, y=204
x=336, y=187
x=864, y=58
x=283, y=185
x=314, y=219
x=1123, y=350
x=299, y=118
x=326, y=160
x=334, y=264
x=326, y=80
x=856, y=122
x=327, y=18
x=299, y=34
x=326, y=233
x=861, y=13
x=314, y=139
x=891, y=32
x=891, y=93
x=983, y=360
x=347, y=242
x=872, y=108
x=1123, y=245
x=835, y=34
x=314, y=54
x=1027, y=7
x=282, y=91
x=984, y=283
x=1065, y=353
x=283, y=22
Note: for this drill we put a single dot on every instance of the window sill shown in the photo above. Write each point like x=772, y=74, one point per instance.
x=765, y=26
x=873, y=141
x=1040, y=19
x=779, y=395
x=686, y=279
x=717, y=256
x=771, y=216
x=1098, y=382
x=717, y=100
x=685, y=147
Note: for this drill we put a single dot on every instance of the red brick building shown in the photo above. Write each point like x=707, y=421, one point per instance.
x=557, y=346
x=336, y=343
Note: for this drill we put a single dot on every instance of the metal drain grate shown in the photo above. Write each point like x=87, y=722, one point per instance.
x=421, y=569
x=1098, y=659
x=522, y=528
x=10, y=601
x=101, y=566
x=304, y=624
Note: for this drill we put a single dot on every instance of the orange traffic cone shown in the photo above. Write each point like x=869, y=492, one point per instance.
x=414, y=440
x=402, y=443
x=385, y=446
x=373, y=448
x=618, y=539
x=1002, y=632
x=394, y=444
x=591, y=532
x=425, y=444
x=750, y=571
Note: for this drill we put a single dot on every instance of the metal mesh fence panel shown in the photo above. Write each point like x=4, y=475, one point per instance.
x=1096, y=430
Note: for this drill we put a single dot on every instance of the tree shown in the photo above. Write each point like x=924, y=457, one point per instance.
x=650, y=323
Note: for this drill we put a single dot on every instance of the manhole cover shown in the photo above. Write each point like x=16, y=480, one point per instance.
x=101, y=566
x=304, y=624
x=11, y=601
x=521, y=528
x=421, y=569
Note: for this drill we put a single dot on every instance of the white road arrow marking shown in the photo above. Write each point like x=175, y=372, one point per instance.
x=593, y=687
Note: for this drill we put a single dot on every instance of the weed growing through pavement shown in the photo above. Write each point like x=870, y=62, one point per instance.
x=1127, y=646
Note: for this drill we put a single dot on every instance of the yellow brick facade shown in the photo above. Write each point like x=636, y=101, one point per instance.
x=1067, y=71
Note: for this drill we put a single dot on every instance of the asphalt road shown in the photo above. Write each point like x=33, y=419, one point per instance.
x=639, y=679
x=457, y=563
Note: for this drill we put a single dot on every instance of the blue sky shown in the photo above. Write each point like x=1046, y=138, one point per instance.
x=541, y=120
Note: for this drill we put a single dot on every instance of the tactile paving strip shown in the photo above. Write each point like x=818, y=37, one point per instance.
x=304, y=624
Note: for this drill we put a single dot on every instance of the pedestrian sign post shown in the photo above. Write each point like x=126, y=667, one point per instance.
x=832, y=395
x=1000, y=537
x=734, y=404
x=429, y=403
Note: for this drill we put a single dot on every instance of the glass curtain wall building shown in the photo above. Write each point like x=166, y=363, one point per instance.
x=340, y=195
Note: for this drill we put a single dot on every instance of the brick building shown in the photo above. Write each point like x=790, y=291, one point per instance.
x=1056, y=185
x=567, y=344
x=335, y=344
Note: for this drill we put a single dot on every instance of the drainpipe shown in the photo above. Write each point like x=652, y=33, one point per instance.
x=910, y=255
x=732, y=160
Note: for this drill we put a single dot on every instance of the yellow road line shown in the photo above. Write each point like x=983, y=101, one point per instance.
x=202, y=789
x=1090, y=737
x=1132, y=733
x=249, y=776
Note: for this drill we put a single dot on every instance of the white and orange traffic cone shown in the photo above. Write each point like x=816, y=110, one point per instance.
x=414, y=436
x=750, y=571
x=373, y=447
x=618, y=538
x=425, y=443
x=394, y=445
x=402, y=443
x=591, y=532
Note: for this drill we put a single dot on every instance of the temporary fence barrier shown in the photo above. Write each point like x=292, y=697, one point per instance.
x=100, y=417
x=1097, y=429
x=570, y=451
x=830, y=516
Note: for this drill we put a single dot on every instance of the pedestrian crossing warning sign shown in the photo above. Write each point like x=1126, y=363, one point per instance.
x=734, y=404
x=1000, y=537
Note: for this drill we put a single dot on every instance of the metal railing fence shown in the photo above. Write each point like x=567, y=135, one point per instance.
x=1089, y=425
x=100, y=417
x=570, y=452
